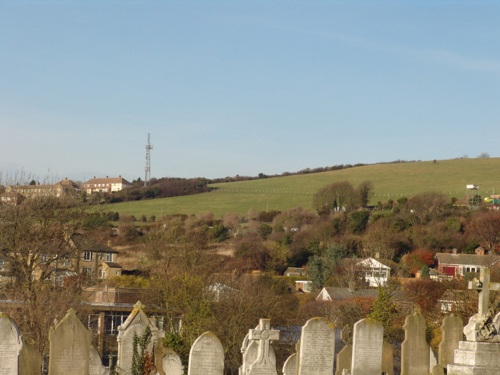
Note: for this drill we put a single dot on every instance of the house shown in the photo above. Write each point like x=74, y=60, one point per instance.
x=305, y=286
x=12, y=197
x=106, y=185
x=458, y=265
x=95, y=260
x=376, y=271
x=295, y=271
x=79, y=256
x=59, y=189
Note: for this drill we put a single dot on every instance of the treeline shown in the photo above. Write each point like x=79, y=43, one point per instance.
x=162, y=188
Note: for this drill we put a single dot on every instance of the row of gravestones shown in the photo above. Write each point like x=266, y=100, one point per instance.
x=71, y=351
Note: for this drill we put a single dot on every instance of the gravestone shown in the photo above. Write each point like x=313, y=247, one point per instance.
x=69, y=347
x=263, y=335
x=30, y=361
x=135, y=325
x=10, y=346
x=387, y=358
x=368, y=341
x=344, y=357
x=95, y=364
x=251, y=354
x=451, y=334
x=480, y=354
x=167, y=361
x=206, y=356
x=317, y=348
x=290, y=365
x=415, y=351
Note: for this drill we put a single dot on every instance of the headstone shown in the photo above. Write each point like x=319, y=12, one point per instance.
x=168, y=362
x=252, y=353
x=95, y=364
x=387, y=359
x=479, y=327
x=344, y=357
x=206, y=356
x=10, y=346
x=317, y=347
x=135, y=325
x=264, y=335
x=368, y=341
x=290, y=365
x=30, y=361
x=415, y=350
x=438, y=370
x=476, y=358
x=69, y=347
x=451, y=334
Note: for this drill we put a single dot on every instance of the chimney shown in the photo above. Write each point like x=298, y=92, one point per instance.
x=377, y=255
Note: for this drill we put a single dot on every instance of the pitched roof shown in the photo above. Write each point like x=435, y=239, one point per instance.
x=467, y=259
x=84, y=243
x=112, y=265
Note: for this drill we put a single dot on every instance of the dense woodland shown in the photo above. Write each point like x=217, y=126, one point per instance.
x=180, y=258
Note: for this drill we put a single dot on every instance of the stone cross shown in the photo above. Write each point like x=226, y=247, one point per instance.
x=264, y=334
x=484, y=286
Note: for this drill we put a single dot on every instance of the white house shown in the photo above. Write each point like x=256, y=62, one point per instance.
x=106, y=185
x=376, y=273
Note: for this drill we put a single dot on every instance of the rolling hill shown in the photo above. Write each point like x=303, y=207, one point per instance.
x=390, y=181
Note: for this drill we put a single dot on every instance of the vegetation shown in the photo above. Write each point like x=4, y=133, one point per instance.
x=390, y=182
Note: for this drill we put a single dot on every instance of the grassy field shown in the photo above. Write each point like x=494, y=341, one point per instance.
x=390, y=181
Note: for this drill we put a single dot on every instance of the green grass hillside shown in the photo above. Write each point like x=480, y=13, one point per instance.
x=390, y=181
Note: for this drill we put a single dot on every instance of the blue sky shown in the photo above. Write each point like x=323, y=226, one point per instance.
x=243, y=87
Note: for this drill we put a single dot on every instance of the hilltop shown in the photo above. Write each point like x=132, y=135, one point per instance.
x=390, y=181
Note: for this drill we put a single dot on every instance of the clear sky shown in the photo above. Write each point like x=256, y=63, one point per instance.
x=243, y=87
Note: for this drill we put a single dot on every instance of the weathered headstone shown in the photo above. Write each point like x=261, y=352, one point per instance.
x=290, y=365
x=95, y=364
x=251, y=354
x=368, y=341
x=135, y=325
x=387, y=359
x=317, y=347
x=30, y=361
x=263, y=365
x=10, y=346
x=69, y=347
x=206, y=356
x=415, y=350
x=451, y=334
x=167, y=361
x=344, y=357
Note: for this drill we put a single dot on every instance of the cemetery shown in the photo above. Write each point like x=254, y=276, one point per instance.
x=322, y=349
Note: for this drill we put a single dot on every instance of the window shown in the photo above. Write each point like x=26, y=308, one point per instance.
x=2, y=265
x=102, y=273
x=87, y=270
x=88, y=255
x=113, y=321
x=109, y=257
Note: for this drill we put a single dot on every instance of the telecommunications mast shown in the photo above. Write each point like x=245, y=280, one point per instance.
x=147, y=168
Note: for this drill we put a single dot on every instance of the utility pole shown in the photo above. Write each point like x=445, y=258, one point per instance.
x=147, y=168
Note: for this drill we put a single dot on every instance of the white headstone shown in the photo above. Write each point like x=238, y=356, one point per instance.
x=10, y=346
x=264, y=335
x=169, y=363
x=135, y=325
x=317, y=348
x=368, y=341
x=290, y=365
x=206, y=356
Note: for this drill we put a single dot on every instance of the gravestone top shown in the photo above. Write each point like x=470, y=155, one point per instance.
x=10, y=346
x=206, y=356
x=480, y=326
x=264, y=335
